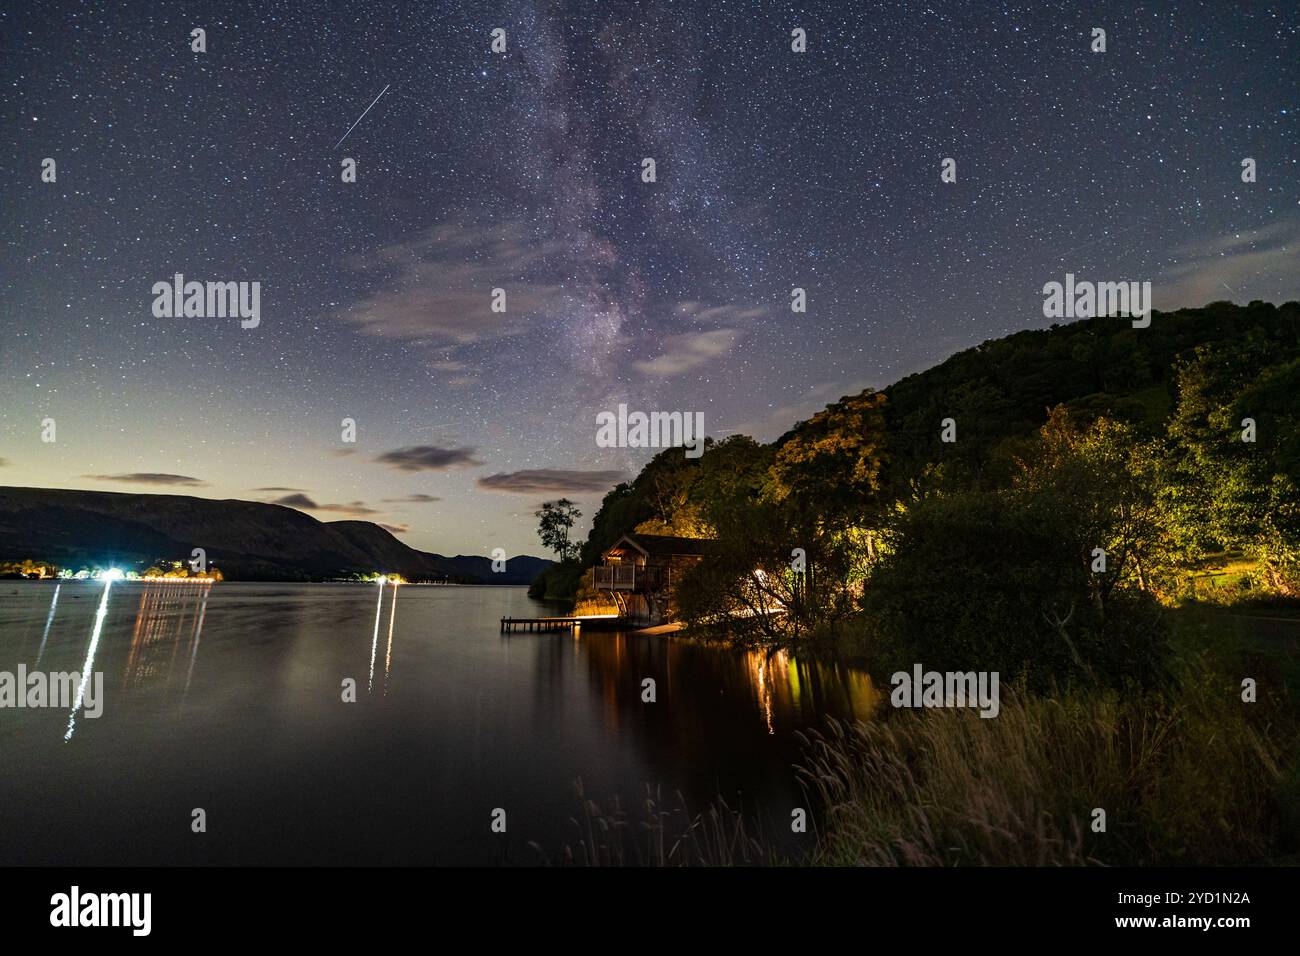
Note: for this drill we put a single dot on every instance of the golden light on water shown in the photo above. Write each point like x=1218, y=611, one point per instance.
x=781, y=684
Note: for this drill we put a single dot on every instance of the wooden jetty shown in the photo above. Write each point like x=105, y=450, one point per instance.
x=509, y=624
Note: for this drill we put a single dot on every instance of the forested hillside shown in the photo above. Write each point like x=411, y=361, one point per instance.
x=1009, y=463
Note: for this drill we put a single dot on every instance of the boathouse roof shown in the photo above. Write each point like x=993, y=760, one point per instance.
x=658, y=545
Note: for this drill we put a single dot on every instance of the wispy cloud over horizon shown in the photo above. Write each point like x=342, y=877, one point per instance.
x=295, y=501
x=304, y=502
x=552, y=481
x=151, y=478
x=427, y=458
x=1242, y=265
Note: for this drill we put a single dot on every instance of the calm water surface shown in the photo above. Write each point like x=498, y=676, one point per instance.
x=228, y=697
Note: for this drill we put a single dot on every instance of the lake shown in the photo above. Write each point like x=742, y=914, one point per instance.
x=228, y=698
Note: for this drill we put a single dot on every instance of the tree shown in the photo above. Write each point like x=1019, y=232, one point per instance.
x=994, y=581
x=1052, y=579
x=774, y=572
x=1226, y=493
x=554, y=521
x=1105, y=480
x=830, y=466
x=769, y=577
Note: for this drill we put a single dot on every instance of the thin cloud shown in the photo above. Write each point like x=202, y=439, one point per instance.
x=412, y=500
x=151, y=478
x=306, y=503
x=394, y=528
x=702, y=313
x=427, y=458
x=276, y=488
x=689, y=350
x=352, y=508
x=551, y=481
x=296, y=501
x=1261, y=263
x=436, y=289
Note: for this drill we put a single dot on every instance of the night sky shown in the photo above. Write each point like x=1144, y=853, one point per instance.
x=522, y=170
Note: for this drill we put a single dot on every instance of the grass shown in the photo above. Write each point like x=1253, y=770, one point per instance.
x=659, y=834
x=1230, y=579
x=1186, y=775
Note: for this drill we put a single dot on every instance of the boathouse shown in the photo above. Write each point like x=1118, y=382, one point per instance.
x=639, y=572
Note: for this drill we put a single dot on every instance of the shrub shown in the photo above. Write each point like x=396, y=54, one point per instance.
x=996, y=581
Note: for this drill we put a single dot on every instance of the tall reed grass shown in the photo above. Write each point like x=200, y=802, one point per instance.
x=657, y=834
x=1186, y=778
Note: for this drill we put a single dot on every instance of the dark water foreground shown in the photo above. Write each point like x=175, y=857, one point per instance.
x=227, y=697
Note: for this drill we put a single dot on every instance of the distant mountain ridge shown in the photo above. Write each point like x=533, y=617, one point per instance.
x=247, y=540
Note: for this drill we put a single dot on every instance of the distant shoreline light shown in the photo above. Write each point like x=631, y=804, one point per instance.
x=117, y=574
x=194, y=580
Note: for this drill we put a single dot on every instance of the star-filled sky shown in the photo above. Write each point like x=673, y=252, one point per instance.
x=522, y=170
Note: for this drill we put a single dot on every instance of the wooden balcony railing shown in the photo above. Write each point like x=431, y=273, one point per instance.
x=629, y=577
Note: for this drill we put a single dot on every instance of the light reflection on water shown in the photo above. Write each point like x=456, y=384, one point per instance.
x=45, y=635
x=88, y=668
x=168, y=624
x=229, y=698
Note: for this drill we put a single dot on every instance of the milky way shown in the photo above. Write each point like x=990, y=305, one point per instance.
x=522, y=170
